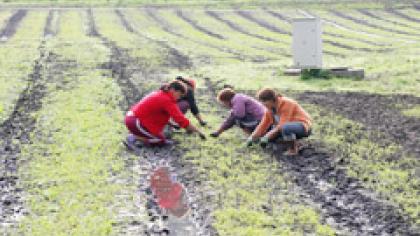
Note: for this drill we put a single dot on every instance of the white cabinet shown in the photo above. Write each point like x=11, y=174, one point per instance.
x=307, y=43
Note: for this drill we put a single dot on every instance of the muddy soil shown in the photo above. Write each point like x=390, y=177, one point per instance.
x=378, y=113
x=343, y=201
x=51, y=27
x=12, y=24
x=15, y=132
x=160, y=223
x=369, y=24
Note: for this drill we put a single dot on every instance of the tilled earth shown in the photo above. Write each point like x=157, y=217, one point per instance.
x=343, y=201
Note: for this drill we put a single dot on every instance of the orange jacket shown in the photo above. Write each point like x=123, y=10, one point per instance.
x=289, y=111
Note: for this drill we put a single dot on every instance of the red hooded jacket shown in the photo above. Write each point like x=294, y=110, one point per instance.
x=155, y=109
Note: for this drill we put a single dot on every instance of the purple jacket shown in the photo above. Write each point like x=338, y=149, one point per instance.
x=246, y=111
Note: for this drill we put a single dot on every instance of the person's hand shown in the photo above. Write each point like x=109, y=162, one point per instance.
x=203, y=123
x=264, y=141
x=202, y=136
x=214, y=134
x=249, y=142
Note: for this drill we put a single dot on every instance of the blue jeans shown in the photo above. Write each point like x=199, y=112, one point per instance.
x=292, y=131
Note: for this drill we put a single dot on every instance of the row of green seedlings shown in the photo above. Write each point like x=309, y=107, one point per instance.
x=246, y=192
x=77, y=142
x=18, y=54
x=394, y=181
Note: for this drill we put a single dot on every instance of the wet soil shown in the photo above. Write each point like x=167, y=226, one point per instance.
x=12, y=24
x=51, y=28
x=343, y=201
x=378, y=113
x=159, y=223
x=15, y=132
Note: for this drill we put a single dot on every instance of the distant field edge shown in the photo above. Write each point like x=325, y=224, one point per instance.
x=344, y=4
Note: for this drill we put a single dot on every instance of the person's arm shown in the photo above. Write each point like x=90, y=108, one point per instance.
x=176, y=115
x=183, y=122
x=194, y=108
x=286, y=113
x=227, y=124
x=262, y=126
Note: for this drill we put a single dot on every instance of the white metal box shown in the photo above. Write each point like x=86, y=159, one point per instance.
x=307, y=43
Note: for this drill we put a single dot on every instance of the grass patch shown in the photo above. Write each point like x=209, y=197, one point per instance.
x=415, y=112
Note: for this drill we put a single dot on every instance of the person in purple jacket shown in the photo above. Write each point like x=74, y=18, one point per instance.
x=246, y=112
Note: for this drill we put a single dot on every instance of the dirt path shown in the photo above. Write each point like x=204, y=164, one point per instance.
x=12, y=24
x=368, y=109
x=159, y=223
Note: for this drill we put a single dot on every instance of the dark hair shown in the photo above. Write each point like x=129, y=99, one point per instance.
x=176, y=85
x=182, y=79
x=267, y=94
x=226, y=95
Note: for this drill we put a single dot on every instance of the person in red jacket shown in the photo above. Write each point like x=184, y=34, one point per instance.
x=147, y=119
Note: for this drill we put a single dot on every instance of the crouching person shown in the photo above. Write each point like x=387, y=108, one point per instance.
x=147, y=119
x=188, y=101
x=246, y=112
x=284, y=120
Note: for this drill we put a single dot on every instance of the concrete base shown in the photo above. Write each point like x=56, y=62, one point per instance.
x=336, y=71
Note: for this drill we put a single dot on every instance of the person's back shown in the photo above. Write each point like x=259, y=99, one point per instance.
x=151, y=110
x=245, y=106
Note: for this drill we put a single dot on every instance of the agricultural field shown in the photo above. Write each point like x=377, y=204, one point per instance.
x=69, y=74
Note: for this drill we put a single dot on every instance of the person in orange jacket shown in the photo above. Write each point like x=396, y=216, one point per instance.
x=284, y=120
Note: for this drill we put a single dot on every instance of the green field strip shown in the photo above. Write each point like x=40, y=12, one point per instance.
x=362, y=27
x=238, y=38
x=4, y=16
x=354, y=39
x=392, y=178
x=331, y=43
x=70, y=168
x=391, y=19
x=17, y=57
x=375, y=21
x=109, y=26
x=409, y=14
x=182, y=26
x=282, y=30
x=328, y=29
x=196, y=51
x=241, y=182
